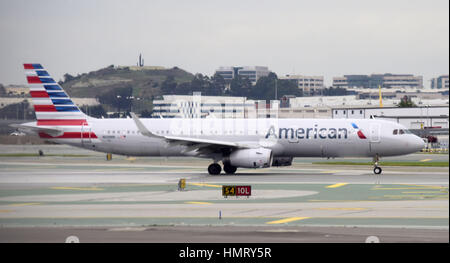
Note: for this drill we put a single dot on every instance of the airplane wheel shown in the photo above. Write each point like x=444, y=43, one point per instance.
x=214, y=169
x=377, y=170
x=229, y=169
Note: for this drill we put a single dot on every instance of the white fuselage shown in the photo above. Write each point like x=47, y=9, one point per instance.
x=285, y=137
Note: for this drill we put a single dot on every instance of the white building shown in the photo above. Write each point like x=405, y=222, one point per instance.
x=440, y=82
x=354, y=101
x=310, y=85
x=197, y=106
x=412, y=118
x=253, y=73
x=403, y=81
x=389, y=81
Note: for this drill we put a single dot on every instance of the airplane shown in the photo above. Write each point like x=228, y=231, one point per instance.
x=236, y=143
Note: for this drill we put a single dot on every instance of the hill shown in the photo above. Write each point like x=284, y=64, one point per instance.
x=145, y=82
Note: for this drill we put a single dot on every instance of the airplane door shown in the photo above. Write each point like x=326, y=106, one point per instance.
x=375, y=129
x=374, y=137
x=85, y=134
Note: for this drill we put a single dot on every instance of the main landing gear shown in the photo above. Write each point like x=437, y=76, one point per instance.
x=215, y=169
x=376, y=168
x=229, y=169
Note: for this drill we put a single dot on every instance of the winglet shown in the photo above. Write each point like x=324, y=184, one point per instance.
x=141, y=127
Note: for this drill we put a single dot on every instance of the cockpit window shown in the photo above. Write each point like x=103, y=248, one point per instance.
x=401, y=131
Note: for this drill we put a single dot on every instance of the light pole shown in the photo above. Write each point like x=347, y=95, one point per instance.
x=276, y=88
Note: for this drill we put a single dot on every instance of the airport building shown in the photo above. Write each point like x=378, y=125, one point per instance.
x=440, y=82
x=185, y=106
x=253, y=73
x=413, y=118
x=429, y=122
x=374, y=81
x=309, y=85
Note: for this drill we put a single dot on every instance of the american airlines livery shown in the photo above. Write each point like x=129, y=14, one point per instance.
x=246, y=143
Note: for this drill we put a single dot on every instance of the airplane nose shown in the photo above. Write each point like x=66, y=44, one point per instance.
x=418, y=144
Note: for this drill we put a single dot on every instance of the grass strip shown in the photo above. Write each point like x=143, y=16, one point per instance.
x=423, y=164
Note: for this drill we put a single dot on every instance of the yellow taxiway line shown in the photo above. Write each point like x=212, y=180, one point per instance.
x=198, y=203
x=202, y=184
x=336, y=185
x=286, y=220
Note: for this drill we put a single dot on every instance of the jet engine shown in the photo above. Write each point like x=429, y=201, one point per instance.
x=251, y=158
x=282, y=161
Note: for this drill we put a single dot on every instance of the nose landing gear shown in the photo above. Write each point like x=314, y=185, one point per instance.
x=376, y=168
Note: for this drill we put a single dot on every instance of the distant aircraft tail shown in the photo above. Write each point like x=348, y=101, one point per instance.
x=51, y=104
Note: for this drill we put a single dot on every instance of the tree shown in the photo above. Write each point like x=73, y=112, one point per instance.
x=200, y=83
x=68, y=77
x=183, y=89
x=265, y=88
x=406, y=102
x=168, y=86
x=218, y=84
x=288, y=87
x=2, y=90
x=334, y=91
x=118, y=98
x=240, y=86
x=18, y=111
x=146, y=114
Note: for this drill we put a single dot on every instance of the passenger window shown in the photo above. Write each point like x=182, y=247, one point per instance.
x=401, y=131
x=395, y=132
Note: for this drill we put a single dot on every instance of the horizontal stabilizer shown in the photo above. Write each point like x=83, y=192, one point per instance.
x=31, y=128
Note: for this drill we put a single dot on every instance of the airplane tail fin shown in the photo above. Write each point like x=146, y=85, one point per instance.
x=51, y=104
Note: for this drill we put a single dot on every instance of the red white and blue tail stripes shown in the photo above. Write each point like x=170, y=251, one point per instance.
x=47, y=95
x=53, y=106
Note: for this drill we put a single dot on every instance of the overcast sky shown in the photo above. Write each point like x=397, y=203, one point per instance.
x=324, y=37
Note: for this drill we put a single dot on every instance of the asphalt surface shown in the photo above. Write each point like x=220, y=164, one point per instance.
x=70, y=191
x=224, y=234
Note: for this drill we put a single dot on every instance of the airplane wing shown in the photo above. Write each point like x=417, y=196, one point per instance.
x=30, y=128
x=193, y=144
